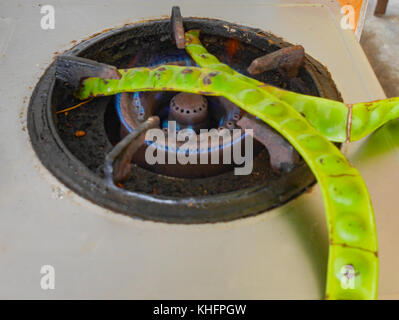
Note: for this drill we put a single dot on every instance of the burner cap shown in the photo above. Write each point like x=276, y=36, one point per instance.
x=188, y=109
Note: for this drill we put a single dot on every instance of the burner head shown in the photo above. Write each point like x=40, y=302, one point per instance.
x=189, y=109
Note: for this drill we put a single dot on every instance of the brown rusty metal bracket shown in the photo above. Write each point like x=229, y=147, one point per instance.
x=118, y=161
x=289, y=59
x=283, y=155
x=176, y=22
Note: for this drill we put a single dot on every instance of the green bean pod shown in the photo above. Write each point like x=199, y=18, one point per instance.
x=335, y=120
x=369, y=116
x=353, y=263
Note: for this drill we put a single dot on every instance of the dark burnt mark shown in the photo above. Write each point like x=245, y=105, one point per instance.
x=186, y=71
x=205, y=92
x=208, y=78
x=189, y=39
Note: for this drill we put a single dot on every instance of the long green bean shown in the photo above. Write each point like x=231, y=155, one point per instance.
x=329, y=117
x=353, y=263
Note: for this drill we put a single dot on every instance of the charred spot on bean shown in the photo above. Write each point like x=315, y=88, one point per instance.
x=205, y=92
x=189, y=38
x=187, y=71
x=207, y=80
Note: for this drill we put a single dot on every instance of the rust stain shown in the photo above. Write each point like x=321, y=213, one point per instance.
x=232, y=47
x=80, y=133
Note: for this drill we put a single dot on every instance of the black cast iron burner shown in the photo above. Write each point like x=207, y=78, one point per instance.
x=78, y=162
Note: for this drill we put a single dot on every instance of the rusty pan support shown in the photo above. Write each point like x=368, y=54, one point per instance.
x=282, y=154
x=73, y=70
x=118, y=161
x=289, y=59
x=176, y=22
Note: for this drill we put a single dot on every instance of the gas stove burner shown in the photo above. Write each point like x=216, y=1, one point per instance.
x=189, y=110
x=182, y=111
x=171, y=193
x=143, y=103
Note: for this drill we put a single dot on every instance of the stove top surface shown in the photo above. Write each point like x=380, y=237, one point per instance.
x=99, y=254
